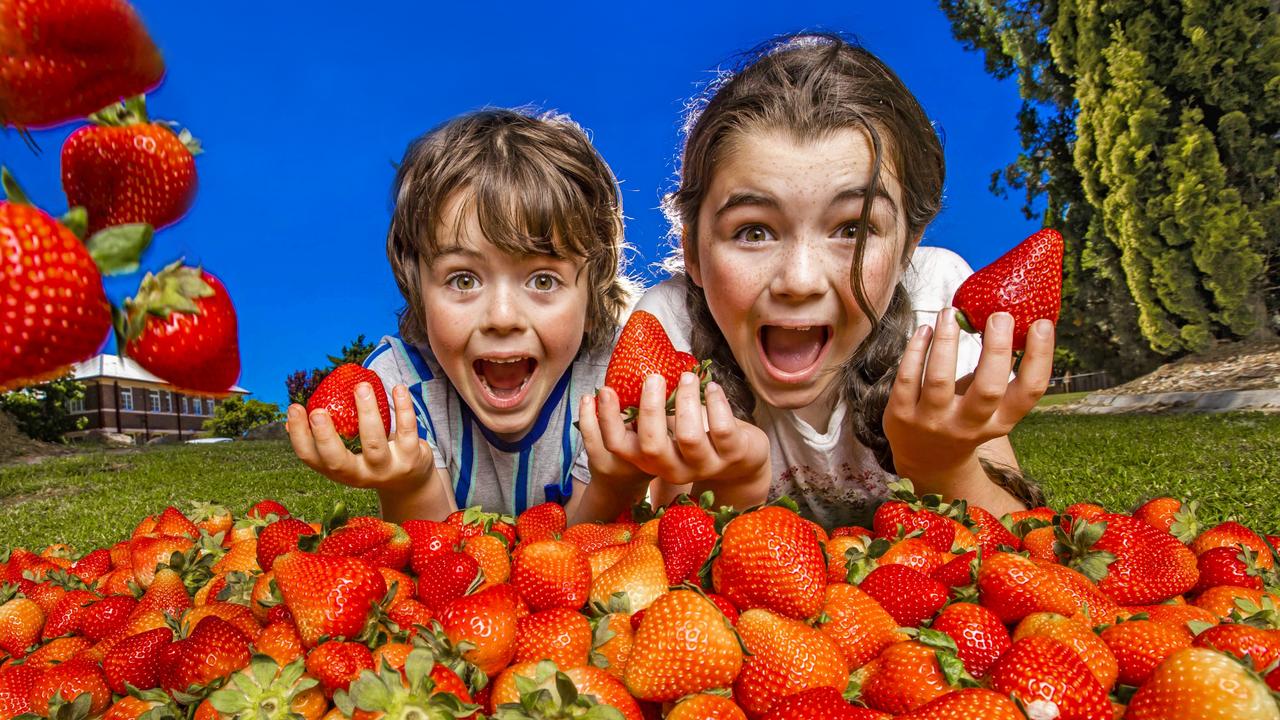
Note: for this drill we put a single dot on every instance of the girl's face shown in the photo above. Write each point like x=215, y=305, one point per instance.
x=776, y=234
x=503, y=327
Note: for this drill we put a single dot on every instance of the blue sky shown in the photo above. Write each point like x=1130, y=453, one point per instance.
x=303, y=113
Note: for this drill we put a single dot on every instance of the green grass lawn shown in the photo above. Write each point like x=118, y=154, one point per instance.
x=1230, y=462
x=1062, y=398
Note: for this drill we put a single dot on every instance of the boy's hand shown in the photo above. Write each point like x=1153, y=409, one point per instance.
x=934, y=423
x=697, y=445
x=400, y=463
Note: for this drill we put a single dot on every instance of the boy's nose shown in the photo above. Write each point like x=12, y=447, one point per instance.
x=503, y=312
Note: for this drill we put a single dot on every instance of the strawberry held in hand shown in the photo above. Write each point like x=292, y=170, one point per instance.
x=181, y=326
x=61, y=60
x=127, y=169
x=644, y=349
x=336, y=395
x=1025, y=282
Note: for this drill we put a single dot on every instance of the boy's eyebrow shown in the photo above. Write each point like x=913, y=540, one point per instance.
x=456, y=249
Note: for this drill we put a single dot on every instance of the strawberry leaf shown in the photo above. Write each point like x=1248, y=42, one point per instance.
x=12, y=190
x=118, y=249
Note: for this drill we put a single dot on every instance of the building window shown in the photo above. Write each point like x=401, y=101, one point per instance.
x=153, y=401
x=208, y=406
x=186, y=409
x=126, y=398
x=166, y=398
x=76, y=405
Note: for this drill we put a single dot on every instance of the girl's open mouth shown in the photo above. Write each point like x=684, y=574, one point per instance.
x=505, y=381
x=793, y=354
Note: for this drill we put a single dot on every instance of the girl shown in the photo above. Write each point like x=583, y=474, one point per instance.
x=807, y=181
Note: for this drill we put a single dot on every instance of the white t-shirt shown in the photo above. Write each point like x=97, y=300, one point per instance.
x=834, y=478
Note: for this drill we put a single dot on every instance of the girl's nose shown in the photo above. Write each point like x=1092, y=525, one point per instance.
x=802, y=270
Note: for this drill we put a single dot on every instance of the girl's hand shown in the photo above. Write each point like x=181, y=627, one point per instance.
x=934, y=424
x=697, y=445
x=401, y=463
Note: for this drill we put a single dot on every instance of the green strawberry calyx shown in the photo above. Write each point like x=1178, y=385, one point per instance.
x=133, y=111
x=174, y=289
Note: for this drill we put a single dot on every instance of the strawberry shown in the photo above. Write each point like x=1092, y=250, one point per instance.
x=336, y=664
x=820, y=703
x=992, y=534
x=428, y=538
x=560, y=635
x=915, y=553
x=784, y=656
x=21, y=622
x=92, y=566
x=423, y=688
x=1040, y=671
x=62, y=62
x=171, y=521
x=148, y=552
x=979, y=635
x=374, y=540
x=1039, y=543
x=67, y=681
x=53, y=309
x=264, y=508
x=134, y=707
x=490, y=553
x=590, y=537
x=125, y=169
x=1132, y=561
x=181, y=326
x=1230, y=534
x=705, y=706
x=769, y=558
x=336, y=395
x=909, y=513
x=540, y=522
x=1141, y=645
x=475, y=521
x=1013, y=587
x=548, y=692
x=640, y=577
x=166, y=593
x=1226, y=565
x=644, y=349
x=551, y=573
x=215, y=649
x=908, y=595
x=1165, y=513
x=58, y=650
x=1260, y=645
x=330, y=596
x=967, y=704
x=857, y=623
x=279, y=538
x=446, y=577
x=684, y=645
x=16, y=682
x=1079, y=637
x=64, y=617
x=279, y=641
x=958, y=571
x=686, y=536
x=1205, y=685
x=488, y=621
x=908, y=674
x=1025, y=282
x=135, y=660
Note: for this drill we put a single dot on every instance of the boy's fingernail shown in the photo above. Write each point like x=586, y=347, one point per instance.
x=319, y=417
x=1000, y=321
x=1043, y=328
x=653, y=381
x=363, y=391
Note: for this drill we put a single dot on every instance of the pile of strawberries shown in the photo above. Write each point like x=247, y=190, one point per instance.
x=937, y=611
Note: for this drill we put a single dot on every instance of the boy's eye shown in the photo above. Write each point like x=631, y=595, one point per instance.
x=754, y=234
x=462, y=281
x=544, y=282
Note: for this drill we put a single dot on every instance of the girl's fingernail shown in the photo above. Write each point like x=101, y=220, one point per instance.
x=1043, y=328
x=653, y=381
x=1000, y=321
x=688, y=378
x=363, y=391
x=319, y=417
x=947, y=316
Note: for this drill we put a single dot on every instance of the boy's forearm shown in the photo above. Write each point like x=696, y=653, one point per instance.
x=429, y=501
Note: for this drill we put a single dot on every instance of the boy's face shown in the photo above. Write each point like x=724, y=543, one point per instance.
x=504, y=327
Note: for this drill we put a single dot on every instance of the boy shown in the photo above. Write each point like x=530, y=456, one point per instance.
x=505, y=242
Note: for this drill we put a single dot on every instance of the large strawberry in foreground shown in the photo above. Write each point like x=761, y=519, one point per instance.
x=62, y=60
x=1025, y=282
x=125, y=168
x=336, y=395
x=181, y=326
x=53, y=311
x=644, y=349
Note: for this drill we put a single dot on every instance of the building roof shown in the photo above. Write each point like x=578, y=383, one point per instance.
x=114, y=366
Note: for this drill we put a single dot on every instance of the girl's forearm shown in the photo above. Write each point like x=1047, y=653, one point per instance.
x=740, y=493
x=968, y=481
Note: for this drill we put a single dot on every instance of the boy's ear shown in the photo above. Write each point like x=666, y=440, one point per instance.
x=690, y=253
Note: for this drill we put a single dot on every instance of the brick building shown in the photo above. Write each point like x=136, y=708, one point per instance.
x=120, y=396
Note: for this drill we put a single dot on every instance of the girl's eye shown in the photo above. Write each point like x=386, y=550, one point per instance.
x=753, y=234
x=544, y=282
x=462, y=281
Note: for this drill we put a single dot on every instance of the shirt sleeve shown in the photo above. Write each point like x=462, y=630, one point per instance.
x=666, y=301
x=393, y=367
x=931, y=279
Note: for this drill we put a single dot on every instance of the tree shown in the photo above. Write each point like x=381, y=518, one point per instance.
x=41, y=411
x=299, y=384
x=233, y=416
x=1149, y=131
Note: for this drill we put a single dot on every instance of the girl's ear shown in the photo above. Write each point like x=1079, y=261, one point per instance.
x=910, y=249
x=690, y=256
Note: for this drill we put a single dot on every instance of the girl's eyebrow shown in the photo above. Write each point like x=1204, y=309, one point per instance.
x=860, y=194
x=747, y=198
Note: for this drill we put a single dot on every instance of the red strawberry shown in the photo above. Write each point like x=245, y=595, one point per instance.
x=560, y=635
x=447, y=577
x=64, y=618
x=908, y=595
x=644, y=349
x=279, y=538
x=1166, y=513
x=328, y=595
x=1131, y=560
x=1040, y=671
x=16, y=682
x=979, y=635
x=374, y=540
x=540, y=522
x=215, y=649
x=1262, y=646
x=92, y=566
x=1202, y=684
x=1228, y=566
x=488, y=621
x=784, y=656
x=127, y=169
x=968, y=704
x=335, y=664
x=263, y=508
x=1025, y=282
x=909, y=513
x=1141, y=645
x=958, y=571
x=475, y=521
x=990, y=531
x=336, y=395
x=172, y=522
x=683, y=646
x=181, y=326
x=1232, y=533
x=106, y=616
x=69, y=680
x=820, y=703
x=551, y=573
x=428, y=538
x=907, y=675
x=64, y=61
x=53, y=310
x=686, y=535
x=770, y=558
x=136, y=660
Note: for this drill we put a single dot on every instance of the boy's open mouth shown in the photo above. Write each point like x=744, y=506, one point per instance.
x=792, y=352
x=505, y=380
